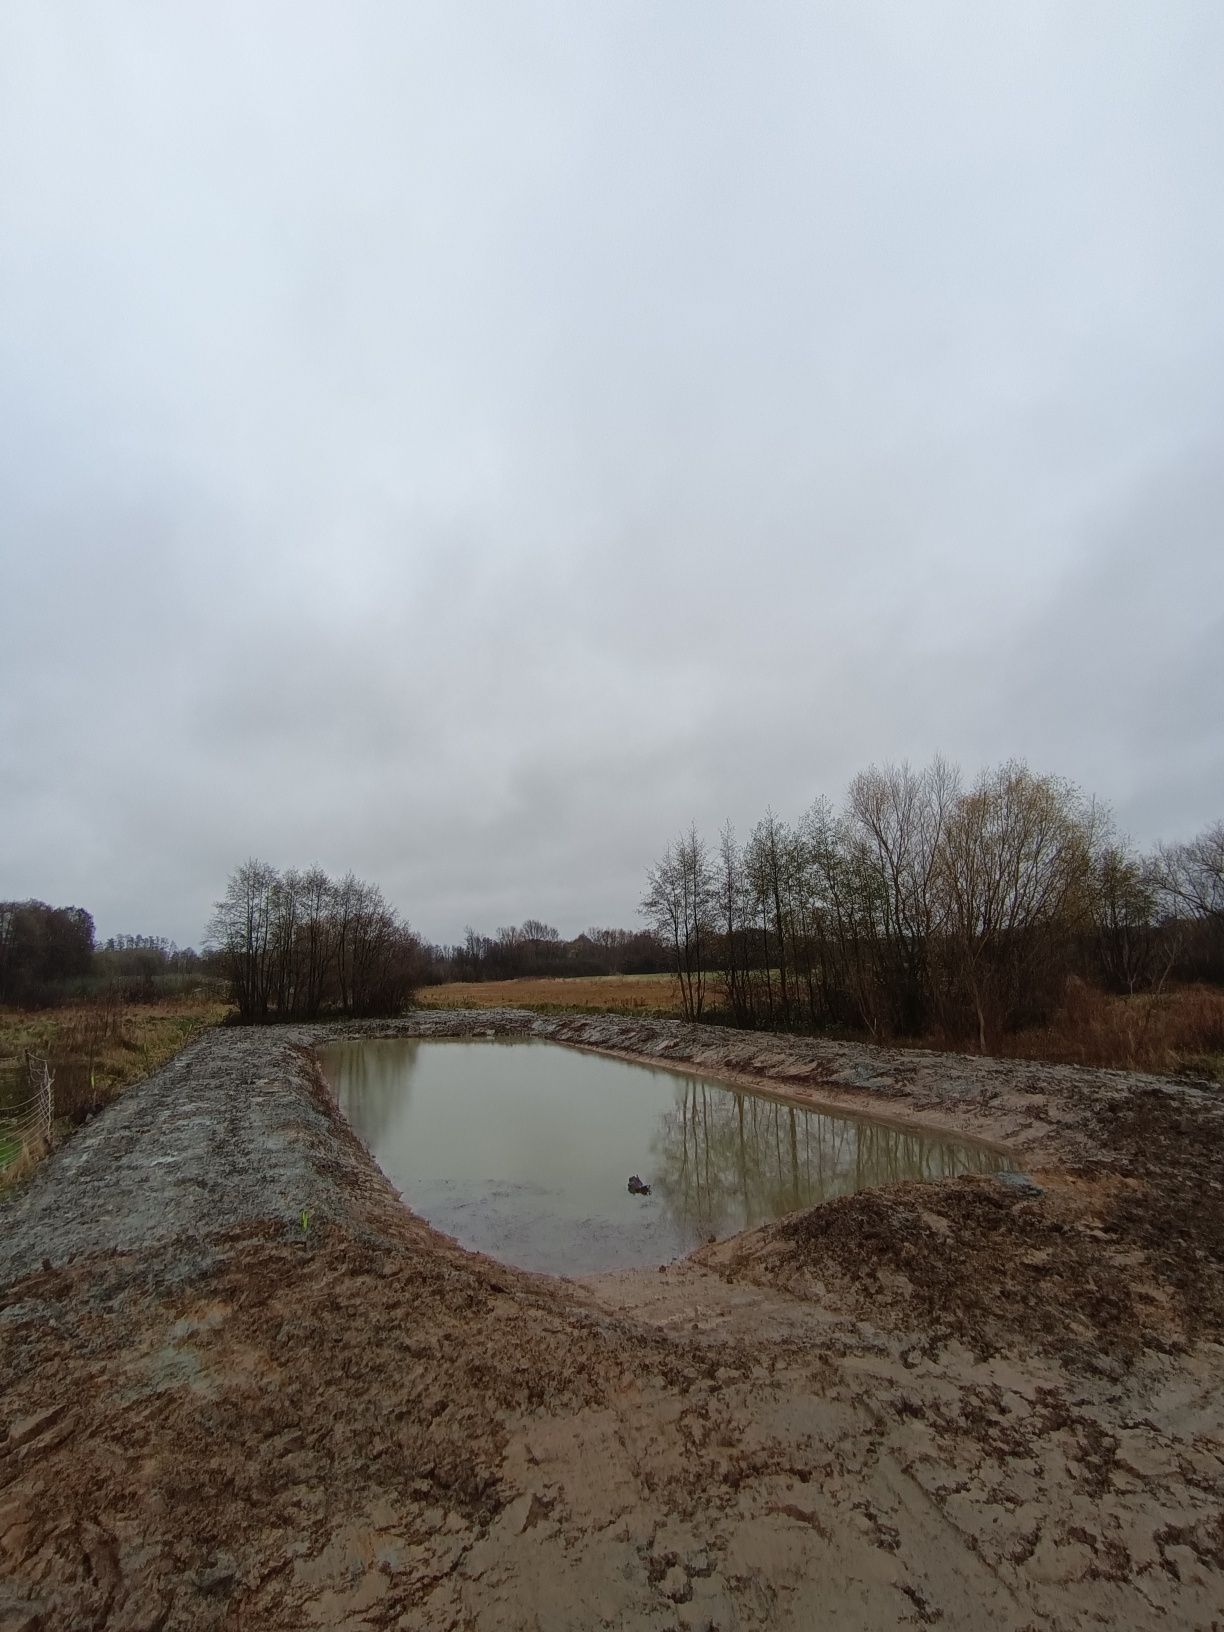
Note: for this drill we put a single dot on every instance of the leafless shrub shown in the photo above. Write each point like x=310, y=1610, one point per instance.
x=294, y=944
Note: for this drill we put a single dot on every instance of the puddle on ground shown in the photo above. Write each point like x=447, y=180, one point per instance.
x=523, y=1149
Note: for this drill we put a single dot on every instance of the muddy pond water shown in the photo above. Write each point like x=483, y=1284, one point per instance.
x=523, y=1149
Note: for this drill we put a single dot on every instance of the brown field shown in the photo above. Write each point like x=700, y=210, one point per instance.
x=602, y=994
x=94, y=1050
x=1170, y=1033
x=1179, y=1032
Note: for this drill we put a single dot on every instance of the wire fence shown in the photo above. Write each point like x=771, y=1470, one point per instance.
x=27, y=1124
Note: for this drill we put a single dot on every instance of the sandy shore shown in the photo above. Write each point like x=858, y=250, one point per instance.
x=976, y=1403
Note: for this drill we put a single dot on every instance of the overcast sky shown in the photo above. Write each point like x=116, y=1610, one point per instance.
x=467, y=442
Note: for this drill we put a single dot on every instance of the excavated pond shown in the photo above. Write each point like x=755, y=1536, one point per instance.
x=524, y=1149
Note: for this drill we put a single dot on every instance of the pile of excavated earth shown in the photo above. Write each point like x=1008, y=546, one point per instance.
x=244, y=1387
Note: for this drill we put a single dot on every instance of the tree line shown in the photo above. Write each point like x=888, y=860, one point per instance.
x=49, y=955
x=145, y=966
x=42, y=949
x=296, y=944
x=536, y=950
x=926, y=905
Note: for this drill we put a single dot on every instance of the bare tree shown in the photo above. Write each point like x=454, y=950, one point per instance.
x=1133, y=949
x=771, y=865
x=730, y=912
x=1015, y=868
x=317, y=943
x=925, y=906
x=679, y=903
x=899, y=816
x=240, y=930
x=1193, y=873
x=1191, y=884
x=294, y=944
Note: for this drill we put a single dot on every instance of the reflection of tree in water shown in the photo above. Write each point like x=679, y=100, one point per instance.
x=372, y=1082
x=727, y=1160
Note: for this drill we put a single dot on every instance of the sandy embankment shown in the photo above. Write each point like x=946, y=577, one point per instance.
x=966, y=1404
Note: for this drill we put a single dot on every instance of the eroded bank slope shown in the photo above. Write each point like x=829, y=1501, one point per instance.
x=966, y=1404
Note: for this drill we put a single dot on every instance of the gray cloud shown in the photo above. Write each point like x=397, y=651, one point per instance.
x=466, y=442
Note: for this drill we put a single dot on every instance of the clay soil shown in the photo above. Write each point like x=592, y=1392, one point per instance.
x=244, y=1387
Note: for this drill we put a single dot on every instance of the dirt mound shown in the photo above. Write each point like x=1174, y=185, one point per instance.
x=245, y=1388
x=981, y=1265
x=1118, y=1254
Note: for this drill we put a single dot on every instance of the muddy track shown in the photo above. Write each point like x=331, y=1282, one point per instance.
x=964, y=1404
